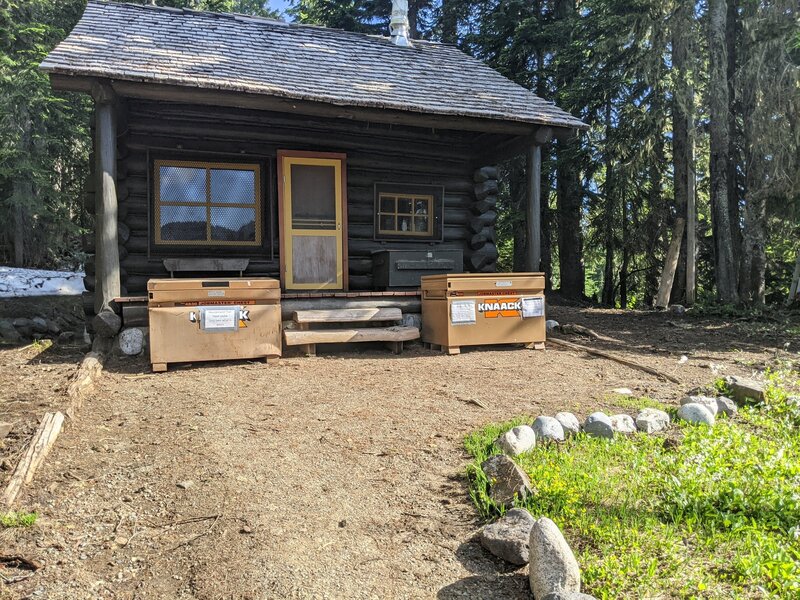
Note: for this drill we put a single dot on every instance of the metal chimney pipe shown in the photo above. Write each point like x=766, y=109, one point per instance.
x=398, y=25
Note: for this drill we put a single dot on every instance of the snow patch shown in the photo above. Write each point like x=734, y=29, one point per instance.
x=16, y=283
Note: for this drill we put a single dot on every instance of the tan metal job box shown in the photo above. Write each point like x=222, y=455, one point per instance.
x=213, y=319
x=471, y=309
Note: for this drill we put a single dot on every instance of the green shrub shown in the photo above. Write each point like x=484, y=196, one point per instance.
x=17, y=519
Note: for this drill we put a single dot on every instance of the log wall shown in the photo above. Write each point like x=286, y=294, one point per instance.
x=375, y=153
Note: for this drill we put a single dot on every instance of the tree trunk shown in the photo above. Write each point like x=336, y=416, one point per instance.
x=570, y=236
x=22, y=186
x=517, y=191
x=725, y=272
x=608, y=207
x=623, y=271
x=734, y=189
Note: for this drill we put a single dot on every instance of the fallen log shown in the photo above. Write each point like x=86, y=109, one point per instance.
x=607, y=355
x=39, y=447
x=87, y=374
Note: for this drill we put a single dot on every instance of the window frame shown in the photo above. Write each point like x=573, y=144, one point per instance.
x=433, y=193
x=262, y=204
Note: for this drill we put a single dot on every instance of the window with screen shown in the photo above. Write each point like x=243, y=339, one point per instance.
x=207, y=203
x=410, y=212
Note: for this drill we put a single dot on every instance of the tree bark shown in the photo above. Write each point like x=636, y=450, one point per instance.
x=725, y=272
x=570, y=235
x=22, y=186
x=608, y=270
x=734, y=189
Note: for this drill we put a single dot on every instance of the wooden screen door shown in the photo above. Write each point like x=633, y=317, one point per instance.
x=311, y=193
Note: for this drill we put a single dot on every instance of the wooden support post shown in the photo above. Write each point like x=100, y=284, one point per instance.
x=533, y=173
x=107, y=249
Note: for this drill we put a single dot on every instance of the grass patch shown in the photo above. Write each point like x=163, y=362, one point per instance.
x=716, y=517
x=18, y=519
x=633, y=403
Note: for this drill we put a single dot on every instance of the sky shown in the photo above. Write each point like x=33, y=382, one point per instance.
x=280, y=5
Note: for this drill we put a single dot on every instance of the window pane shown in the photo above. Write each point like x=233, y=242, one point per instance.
x=403, y=223
x=387, y=204
x=421, y=207
x=183, y=223
x=233, y=224
x=313, y=197
x=421, y=224
x=182, y=184
x=404, y=205
x=387, y=223
x=233, y=185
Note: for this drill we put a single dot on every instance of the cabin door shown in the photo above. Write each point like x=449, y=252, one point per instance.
x=311, y=192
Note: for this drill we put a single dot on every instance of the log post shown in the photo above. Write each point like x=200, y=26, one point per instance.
x=533, y=172
x=107, y=262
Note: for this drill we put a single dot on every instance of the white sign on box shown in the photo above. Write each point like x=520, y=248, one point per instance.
x=532, y=307
x=219, y=319
x=462, y=312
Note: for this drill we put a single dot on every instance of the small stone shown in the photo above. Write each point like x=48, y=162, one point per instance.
x=677, y=309
x=548, y=429
x=508, y=537
x=598, y=424
x=23, y=326
x=65, y=337
x=107, y=324
x=696, y=413
x=569, y=423
x=551, y=325
x=623, y=423
x=745, y=390
x=5, y=428
x=185, y=485
x=726, y=406
x=623, y=391
x=708, y=402
x=8, y=333
x=245, y=529
x=131, y=341
x=39, y=324
x=553, y=567
x=343, y=523
x=651, y=420
x=53, y=328
x=506, y=479
x=517, y=440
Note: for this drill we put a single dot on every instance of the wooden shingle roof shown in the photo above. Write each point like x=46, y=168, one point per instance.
x=262, y=56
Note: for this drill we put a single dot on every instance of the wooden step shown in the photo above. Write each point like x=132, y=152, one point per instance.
x=294, y=337
x=347, y=315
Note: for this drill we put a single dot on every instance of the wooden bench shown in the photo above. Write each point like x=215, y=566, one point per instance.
x=307, y=338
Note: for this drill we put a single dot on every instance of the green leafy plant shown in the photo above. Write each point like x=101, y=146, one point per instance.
x=18, y=519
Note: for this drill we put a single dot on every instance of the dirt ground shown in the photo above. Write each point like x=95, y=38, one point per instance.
x=340, y=476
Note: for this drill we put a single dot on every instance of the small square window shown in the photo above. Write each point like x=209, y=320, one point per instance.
x=411, y=212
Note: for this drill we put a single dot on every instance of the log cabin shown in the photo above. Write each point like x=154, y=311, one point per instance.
x=345, y=165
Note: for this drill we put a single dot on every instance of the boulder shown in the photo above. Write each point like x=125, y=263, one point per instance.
x=553, y=567
x=726, y=406
x=131, y=341
x=551, y=325
x=517, y=440
x=569, y=596
x=548, y=429
x=707, y=401
x=677, y=309
x=651, y=420
x=5, y=429
x=39, y=324
x=623, y=423
x=696, y=413
x=485, y=173
x=23, y=326
x=506, y=479
x=508, y=537
x=623, y=391
x=107, y=324
x=745, y=390
x=53, y=328
x=569, y=423
x=598, y=424
x=8, y=332
x=66, y=337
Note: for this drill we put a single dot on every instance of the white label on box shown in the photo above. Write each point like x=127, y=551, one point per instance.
x=216, y=293
x=532, y=307
x=462, y=312
x=220, y=318
x=502, y=284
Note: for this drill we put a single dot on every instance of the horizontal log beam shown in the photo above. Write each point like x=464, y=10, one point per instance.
x=294, y=337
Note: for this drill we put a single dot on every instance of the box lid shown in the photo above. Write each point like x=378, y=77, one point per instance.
x=231, y=283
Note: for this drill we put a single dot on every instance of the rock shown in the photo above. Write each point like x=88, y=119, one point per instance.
x=677, y=309
x=131, y=341
x=726, y=406
x=623, y=391
x=745, y=390
x=696, y=413
x=569, y=596
x=412, y=320
x=598, y=424
x=708, y=402
x=569, y=423
x=185, y=485
x=106, y=324
x=485, y=173
x=5, y=428
x=23, y=326
x=551, y=325
x=508, y=537
x=517, y=440
x=39, y=324
x=651, y=420
x=623, y=423
x=53, y=328
x=8, y=332
x=65, y=337
x=506, y=479
x=548, y=429
x=553, y=567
